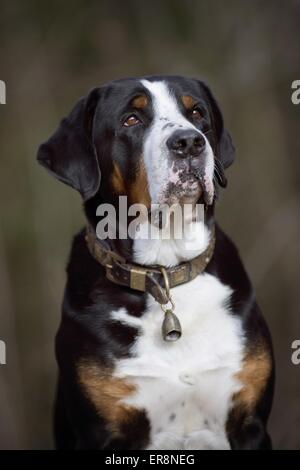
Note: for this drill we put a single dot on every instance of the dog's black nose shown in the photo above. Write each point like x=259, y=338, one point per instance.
x=186, y=142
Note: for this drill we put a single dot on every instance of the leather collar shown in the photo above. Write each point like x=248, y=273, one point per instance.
x=149, y=279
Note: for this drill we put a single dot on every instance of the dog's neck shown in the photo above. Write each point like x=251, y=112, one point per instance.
x=157, y=251
x=173, y=250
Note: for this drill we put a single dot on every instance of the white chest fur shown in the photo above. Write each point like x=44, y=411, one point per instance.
x=186, y=386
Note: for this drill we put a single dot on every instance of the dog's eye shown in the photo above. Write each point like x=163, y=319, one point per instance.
x=131, y=120
x=196, y=114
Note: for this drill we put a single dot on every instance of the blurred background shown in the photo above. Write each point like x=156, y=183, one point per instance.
x=51, y=53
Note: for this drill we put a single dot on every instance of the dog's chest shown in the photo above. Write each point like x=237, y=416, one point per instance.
x=186, y=387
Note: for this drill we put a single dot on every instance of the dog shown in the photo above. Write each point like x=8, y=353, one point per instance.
x=205, y=378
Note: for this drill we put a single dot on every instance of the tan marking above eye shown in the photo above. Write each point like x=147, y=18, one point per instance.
x=188, y=101
x=140, y=102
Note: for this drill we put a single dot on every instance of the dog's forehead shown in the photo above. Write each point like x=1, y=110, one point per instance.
x=158, y=88
x=172, y=84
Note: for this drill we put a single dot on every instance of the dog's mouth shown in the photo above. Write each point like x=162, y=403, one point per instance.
x=183, y=188
x=192, y=186
x=188, y=181
x=207, y=187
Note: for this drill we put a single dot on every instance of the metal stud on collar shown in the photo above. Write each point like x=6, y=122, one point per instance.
x=171, y=328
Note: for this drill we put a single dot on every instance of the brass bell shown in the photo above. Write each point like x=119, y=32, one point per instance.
x=171, y=328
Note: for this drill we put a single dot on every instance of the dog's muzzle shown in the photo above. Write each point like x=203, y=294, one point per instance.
x=188, y=149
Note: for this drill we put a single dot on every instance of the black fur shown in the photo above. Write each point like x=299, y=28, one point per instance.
x=87, y=142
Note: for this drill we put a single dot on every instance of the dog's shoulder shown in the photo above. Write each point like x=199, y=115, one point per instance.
x=227, y=264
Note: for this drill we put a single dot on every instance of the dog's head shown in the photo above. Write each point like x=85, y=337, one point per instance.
x=154, y=139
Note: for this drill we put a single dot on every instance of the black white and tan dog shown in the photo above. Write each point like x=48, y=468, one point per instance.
x=122, y=383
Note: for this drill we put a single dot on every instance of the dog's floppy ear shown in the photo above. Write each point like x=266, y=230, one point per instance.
x=224, y=146
x=70, y=154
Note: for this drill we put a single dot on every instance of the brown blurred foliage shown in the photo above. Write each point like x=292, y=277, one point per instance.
x=51, y=53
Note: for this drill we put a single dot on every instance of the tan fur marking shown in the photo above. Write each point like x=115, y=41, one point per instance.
x=139, y=191
x=106, y=394
x=188, y=101
x=254, y=375
x=140, y=102
x=117, y=180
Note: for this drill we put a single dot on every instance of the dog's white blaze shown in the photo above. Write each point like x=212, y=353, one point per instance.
x=186, y=387
x=159, y=172
x=167, y=119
